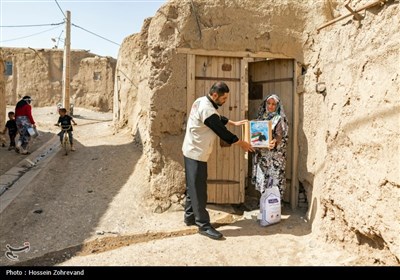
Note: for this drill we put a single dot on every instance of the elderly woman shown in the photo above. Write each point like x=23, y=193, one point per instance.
x=24, y=120
x=269, y=164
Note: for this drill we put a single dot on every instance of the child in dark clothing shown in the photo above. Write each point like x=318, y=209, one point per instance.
x=65, y=121
x=11, y=126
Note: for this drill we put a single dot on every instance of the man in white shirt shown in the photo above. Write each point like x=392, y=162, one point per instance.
x=203, y=127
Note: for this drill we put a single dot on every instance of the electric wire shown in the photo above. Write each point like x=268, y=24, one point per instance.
x=85, y=28
x=60, y=9
x=95, y=34
x=52, y=24
x=32, y=25
x=29, y=35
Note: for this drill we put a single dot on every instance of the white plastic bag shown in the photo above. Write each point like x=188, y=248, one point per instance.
x=33, y=132
x=270, y=207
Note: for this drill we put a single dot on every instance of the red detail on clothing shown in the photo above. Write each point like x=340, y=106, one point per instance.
x=25, y=110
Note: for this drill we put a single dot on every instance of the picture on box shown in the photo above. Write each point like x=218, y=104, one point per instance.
x=260, y=133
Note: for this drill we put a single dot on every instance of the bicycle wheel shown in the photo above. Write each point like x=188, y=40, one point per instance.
x=66, y=144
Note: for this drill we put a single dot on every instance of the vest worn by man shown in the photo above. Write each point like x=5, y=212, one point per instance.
x=199, y=138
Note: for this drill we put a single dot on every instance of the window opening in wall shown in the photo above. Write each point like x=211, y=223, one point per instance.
x=96, y=76
x=9, y=67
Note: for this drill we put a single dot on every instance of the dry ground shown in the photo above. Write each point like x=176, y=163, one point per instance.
x=87, y=208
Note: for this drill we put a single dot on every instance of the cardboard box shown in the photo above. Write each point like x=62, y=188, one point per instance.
x=258, y=133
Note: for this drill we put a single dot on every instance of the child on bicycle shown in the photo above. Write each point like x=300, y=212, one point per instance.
x=65, y=121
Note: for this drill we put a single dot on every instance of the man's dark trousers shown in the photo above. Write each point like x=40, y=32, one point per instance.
x=196, y=192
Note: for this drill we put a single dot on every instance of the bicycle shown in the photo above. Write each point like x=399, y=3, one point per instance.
x=65, y=142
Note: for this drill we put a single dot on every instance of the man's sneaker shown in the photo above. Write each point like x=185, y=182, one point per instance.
x=72, y=148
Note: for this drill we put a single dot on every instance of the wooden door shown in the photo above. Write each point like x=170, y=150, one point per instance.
x=226, y=164
x=274, y=76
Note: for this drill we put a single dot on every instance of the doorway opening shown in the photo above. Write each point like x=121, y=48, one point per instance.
x=265, y=77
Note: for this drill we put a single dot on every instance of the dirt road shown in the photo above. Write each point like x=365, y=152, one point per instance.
x=89, y=208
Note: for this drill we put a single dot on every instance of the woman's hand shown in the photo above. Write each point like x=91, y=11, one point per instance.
x=237, y=123
x=272, y=144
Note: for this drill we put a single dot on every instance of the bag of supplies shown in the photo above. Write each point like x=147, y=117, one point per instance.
x=270, y=206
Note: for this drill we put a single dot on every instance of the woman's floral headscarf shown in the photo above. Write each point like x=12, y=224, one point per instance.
x=279, y=114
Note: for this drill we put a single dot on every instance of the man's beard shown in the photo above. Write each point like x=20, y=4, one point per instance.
x=219, y=104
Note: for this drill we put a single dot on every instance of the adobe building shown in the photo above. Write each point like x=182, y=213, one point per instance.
x=336, y=70
x=38, y=73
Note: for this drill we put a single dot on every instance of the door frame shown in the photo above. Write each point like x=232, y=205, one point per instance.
x=246, y=58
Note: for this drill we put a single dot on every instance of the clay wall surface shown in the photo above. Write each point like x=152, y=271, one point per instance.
x=38, y=73
x=348, y=135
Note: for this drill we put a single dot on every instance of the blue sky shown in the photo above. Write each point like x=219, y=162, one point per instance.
x=113, y=20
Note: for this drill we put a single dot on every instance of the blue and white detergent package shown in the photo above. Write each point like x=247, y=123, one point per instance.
x=270, y=206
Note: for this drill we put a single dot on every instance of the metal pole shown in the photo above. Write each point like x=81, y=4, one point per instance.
x=66, y=64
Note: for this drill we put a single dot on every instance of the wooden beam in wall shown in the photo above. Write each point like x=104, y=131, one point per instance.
x=244, y=108
x=191, y=82
x=217, y=79
x=294, y=186
x=231, y=53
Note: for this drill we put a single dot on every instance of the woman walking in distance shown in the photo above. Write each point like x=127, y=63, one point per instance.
x=24, y=119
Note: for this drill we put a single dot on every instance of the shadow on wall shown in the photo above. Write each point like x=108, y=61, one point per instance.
x=307, y=178
x=353, y=125
x=65, y=204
